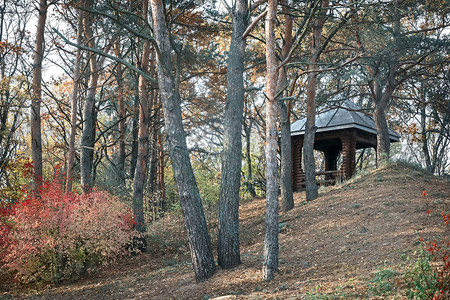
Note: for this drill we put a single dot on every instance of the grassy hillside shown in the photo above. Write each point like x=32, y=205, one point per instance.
x=352, y=242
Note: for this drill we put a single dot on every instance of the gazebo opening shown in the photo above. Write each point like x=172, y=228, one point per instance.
x=340, y=132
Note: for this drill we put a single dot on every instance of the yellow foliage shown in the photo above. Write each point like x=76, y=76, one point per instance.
x=18, y=175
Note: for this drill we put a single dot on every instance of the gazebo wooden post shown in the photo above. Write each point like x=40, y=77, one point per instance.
x=297, y=172
x=331, y=155
x=348, y=153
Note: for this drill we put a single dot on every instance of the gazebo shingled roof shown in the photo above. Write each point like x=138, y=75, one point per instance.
x=348, y=115
x=339, y=130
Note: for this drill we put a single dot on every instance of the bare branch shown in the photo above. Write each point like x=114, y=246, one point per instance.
x=182, y=10
x=328, y=69
x=253, y=24
x=256, y=4
x=128, y=28
x=230, y=11
x=99, y=52
x=300, y=35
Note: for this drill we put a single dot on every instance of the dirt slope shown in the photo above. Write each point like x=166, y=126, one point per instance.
x=330, y=248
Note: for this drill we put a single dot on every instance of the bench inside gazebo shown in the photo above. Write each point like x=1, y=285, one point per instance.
x=340, y=130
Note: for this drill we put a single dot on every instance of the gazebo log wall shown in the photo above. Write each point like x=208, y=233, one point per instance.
x=348, y=154
x=298, y=175
x=331, y=144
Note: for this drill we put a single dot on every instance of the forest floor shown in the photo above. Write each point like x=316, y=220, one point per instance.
x=352, y=242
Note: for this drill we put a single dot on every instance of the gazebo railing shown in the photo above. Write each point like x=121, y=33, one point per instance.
x=329, y=177
x=322, y=178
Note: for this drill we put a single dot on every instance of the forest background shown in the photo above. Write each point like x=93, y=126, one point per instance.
x=179, y=104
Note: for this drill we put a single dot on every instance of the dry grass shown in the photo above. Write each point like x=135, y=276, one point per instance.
x=330, y=248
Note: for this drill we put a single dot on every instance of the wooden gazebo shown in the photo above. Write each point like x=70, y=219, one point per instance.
x=339, y=130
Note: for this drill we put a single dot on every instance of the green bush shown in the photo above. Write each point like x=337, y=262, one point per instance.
x=382, y=283
x=420, y=277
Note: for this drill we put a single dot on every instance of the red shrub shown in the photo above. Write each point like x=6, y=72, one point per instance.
x=440, y=252
x=5, y=223
x=59, y=235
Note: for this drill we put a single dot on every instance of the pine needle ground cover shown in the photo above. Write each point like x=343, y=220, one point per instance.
x=356, y=241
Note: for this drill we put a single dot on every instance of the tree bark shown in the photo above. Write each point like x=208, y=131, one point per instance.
x=145, y=105
x=135, y=131
x=36, y=140
x=270, y=265
x=198, y=237
x=287, y=197
x=381, y=100
x=381, y=96
x=74, y=106
x=122, y=118
x=142, y=152
x=228, y=238
x=88, y=135
x=310, y=129
x=154, y=153
x=250, y=186
x=383, y=141
x=161, y=167
x=4, y=108
x=424, y=139
x=153, y=169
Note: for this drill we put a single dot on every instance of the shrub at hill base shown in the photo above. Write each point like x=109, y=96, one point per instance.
x=58, y=236
x=429, y=276
x=5, y=224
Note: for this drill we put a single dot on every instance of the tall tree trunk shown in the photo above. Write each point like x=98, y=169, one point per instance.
x=36, y=141
x=4, y=108
x=88, y=135
x=121, y=116
x=143, y=140
x=381, y=97
x=228, y=238
x=74, y=106
x=135, y=131
x=424, y=139
x=153, y=169
x=310, y=129
x=250, y=186
x=381, y=100
x=287, y=197
x=153, y=152
x=270, y=265
x=161, y=166
x=191, y=204
x=383, y=141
